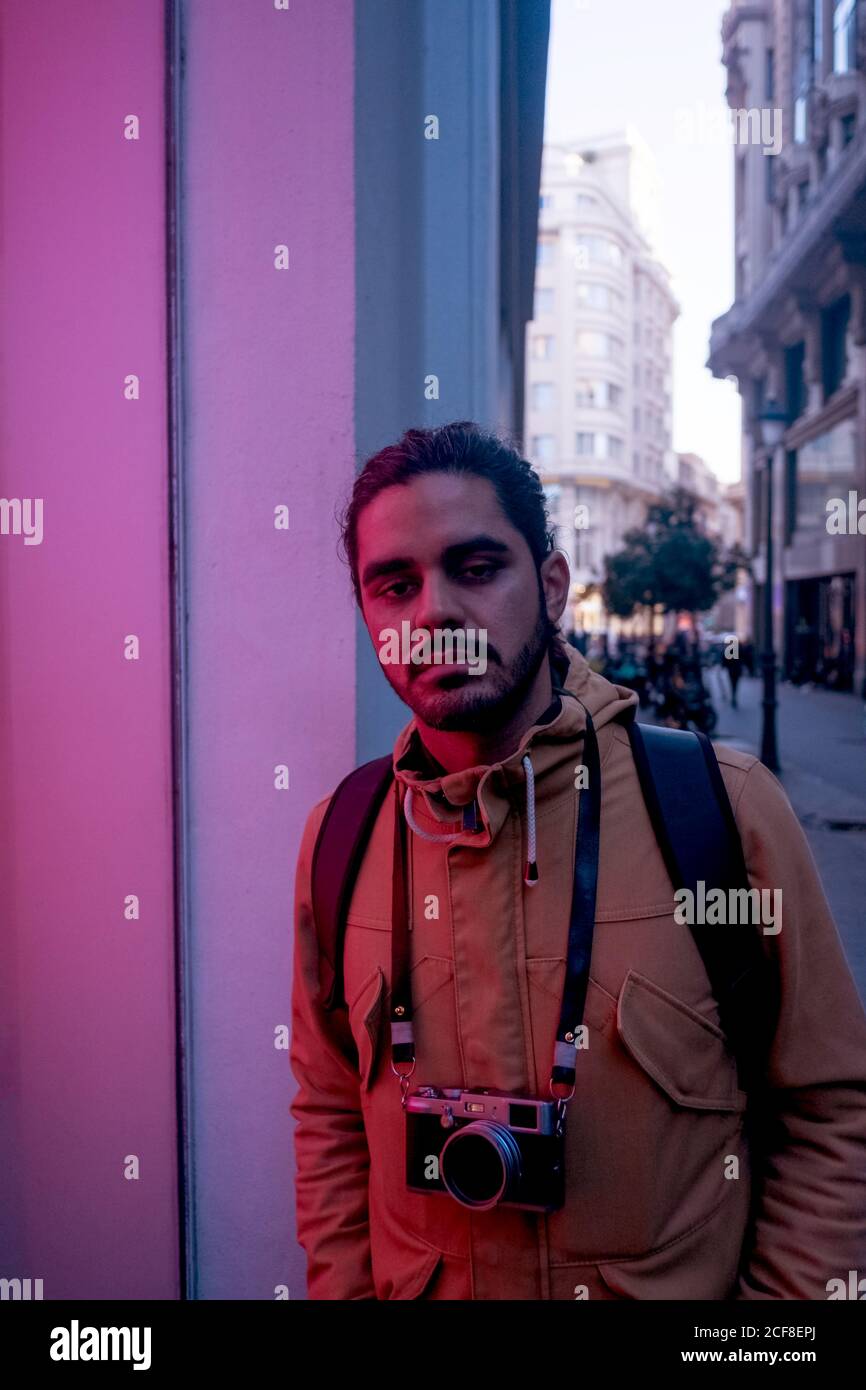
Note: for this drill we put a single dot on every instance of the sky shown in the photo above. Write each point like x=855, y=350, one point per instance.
x=657, y=66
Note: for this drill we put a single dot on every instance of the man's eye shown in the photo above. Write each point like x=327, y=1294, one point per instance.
x=396, y=589
x=482, y=569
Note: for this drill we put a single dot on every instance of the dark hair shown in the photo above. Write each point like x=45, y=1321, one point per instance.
x=460, y=447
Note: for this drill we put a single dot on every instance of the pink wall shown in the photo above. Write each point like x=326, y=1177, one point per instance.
x=267, y=159
x=87, y=1052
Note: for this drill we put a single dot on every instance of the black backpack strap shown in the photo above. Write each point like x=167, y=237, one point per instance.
x=346, y=827
x=694, y=824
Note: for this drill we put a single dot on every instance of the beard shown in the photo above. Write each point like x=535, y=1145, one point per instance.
x=456, y=706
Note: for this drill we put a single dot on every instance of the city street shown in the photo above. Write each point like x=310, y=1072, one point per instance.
x=822, y=751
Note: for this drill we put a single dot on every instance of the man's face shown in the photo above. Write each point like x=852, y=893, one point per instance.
x=440, y=553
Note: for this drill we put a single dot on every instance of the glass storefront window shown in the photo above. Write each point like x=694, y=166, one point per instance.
x=826, y=468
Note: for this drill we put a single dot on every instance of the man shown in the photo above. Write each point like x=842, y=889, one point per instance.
x=735, y=670
x=663, y=1198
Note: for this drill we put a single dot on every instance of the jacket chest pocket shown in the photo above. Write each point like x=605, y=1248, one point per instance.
x=684, y=1052
x=654, y=1139
x=431, y=985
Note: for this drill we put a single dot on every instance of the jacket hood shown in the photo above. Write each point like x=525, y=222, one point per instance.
x=541, y=768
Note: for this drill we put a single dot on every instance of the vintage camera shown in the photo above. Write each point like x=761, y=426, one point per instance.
x=486, y=1148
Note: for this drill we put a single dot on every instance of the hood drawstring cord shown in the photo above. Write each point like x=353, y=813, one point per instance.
x=425, y=834
x=530, y=877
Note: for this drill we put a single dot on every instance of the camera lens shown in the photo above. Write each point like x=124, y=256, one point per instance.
x=479, y=1163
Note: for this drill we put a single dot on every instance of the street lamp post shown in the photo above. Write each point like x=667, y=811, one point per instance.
x=772, y=422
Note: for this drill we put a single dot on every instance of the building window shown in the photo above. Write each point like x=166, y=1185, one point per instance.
x=584, y=551
x=834, y=330
x=597, y=395
x=543, y=395
x=800, y=118
x=614, y=447
x=826, y=467
x=584, y=443
x=844, y=35
x=592, y=344
x=542, y=346
x=545, y=250
x=543, y=300
x=599, y=297
x=801, y=69
x=818, y=37
x=544, y=448
x=586, y=200
x=802, y=194
x=545, y=200
x=597, y=249
x=769, y=74
x=636, y=420
x=848, y=125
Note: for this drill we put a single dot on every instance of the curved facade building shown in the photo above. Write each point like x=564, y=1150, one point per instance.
x=599, y=386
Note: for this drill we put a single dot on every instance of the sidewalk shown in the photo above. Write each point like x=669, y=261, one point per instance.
x=822, y=750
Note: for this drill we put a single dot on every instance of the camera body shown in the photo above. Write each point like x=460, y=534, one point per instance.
x=485, y=1148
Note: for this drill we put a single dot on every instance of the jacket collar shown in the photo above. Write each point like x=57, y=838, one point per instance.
x=438, y=796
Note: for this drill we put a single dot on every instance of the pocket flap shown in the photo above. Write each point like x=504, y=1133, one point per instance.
x=682, y=1051
x=365, y=1020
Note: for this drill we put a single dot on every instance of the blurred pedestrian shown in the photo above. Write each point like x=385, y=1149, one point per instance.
x=734, y=666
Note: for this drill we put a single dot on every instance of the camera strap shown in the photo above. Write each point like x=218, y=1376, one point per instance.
x=580, y=932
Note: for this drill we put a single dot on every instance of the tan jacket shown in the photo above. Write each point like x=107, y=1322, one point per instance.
x=652, y=1208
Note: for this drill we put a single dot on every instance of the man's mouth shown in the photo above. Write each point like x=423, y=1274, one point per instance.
x=455, y=673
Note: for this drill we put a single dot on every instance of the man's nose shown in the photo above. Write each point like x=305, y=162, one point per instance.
x=437, y=605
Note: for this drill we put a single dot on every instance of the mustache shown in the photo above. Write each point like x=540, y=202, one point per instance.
x=492, y=655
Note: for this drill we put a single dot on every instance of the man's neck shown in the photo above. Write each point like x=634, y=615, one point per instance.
x=456, y=749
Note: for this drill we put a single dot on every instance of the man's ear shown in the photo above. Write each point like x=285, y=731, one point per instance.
x=555, y=584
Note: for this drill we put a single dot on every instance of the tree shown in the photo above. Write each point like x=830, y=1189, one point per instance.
x=671, y=562
x=629, y=579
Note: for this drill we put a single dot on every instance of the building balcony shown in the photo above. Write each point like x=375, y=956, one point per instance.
x=586, y=364
x=843, y=91
x=603, y=473
x=794, y=165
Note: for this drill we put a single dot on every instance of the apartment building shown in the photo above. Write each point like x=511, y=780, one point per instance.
x=599, y=352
